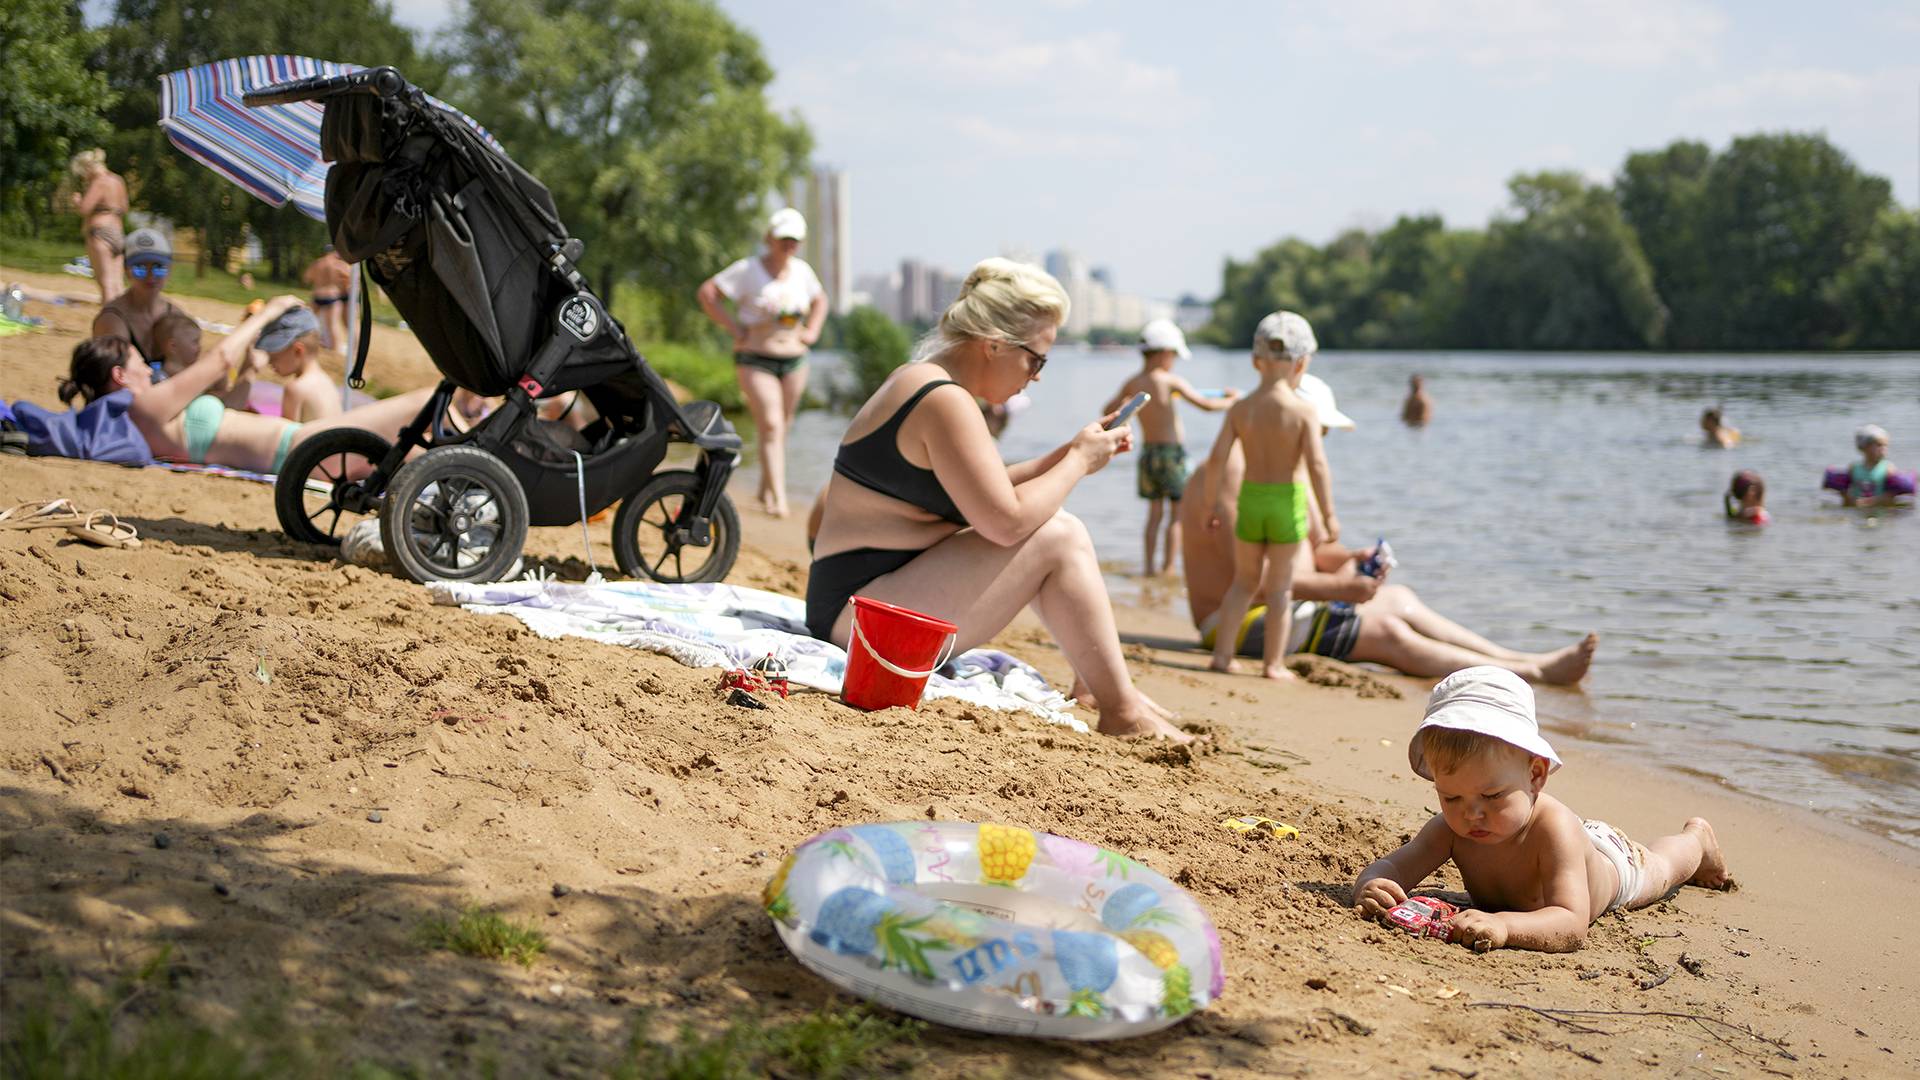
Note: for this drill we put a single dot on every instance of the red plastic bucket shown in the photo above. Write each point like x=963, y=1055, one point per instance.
x=891, y=653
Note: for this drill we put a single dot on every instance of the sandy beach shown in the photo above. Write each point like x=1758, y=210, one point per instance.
x=259, y=704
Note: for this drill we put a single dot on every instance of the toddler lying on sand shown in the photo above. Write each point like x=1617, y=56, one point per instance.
x=1538, y=874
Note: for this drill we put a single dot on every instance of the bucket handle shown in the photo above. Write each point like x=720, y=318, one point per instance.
x=946, y=653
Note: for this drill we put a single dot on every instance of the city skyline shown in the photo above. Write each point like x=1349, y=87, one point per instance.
x=1174, y=144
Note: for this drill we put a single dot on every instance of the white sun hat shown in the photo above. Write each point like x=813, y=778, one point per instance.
x=1491, y=701
x=1320, y=396
x=1161, y=335
x=787, y=224
x=1285, y=333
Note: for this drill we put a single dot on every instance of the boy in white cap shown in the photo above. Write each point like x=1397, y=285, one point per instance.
x=1538, y=874
x=1279, y=432
x=1867, y=478
x=1161, y=472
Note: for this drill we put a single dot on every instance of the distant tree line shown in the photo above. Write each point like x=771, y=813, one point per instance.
x=647, y=119
x=1778, y=242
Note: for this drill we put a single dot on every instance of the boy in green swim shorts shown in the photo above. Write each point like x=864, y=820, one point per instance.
x=1162, y=471
x=1279, y=433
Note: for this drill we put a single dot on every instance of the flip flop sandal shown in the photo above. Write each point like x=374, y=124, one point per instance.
x=50, y=514
x=111, y=532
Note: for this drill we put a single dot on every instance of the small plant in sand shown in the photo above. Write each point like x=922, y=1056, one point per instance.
x=829, y=1044
x=475, y=932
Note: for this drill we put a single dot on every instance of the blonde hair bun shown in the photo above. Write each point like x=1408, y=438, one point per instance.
x=1001, y=300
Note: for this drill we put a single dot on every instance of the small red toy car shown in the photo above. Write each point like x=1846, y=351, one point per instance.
x=767, y=675
x=1423, y=916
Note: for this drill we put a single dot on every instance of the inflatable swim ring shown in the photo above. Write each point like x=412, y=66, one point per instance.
x=996, y=928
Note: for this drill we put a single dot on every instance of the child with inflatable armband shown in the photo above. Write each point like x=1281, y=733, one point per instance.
x=1873, y=480
x=1537, y=873
x=1746, y=498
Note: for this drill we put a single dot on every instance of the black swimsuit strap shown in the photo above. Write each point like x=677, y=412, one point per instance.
x=891, y=428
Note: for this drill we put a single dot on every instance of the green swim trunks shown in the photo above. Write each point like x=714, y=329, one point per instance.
x=1162, y=471
x=1272, y=514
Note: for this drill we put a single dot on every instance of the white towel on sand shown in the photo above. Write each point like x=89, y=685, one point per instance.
x=726, y=626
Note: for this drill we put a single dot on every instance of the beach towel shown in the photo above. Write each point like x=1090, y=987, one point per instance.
x=727, y=626
x=216, y=470
x=101, y=430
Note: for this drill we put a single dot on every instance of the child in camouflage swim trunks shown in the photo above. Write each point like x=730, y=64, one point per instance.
x=1162, y=469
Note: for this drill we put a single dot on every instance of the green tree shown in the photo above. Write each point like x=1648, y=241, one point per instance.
x=1780, y=217
x=1662, y=195
x=875, y=345
x=649, y=122
x=1567, y=273
x=50, y=105
x=149, y=38
x=1878, y=294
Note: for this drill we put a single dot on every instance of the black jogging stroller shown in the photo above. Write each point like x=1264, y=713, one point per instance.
x=472, y=252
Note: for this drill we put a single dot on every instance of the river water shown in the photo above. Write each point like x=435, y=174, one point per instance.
x=1555, y=494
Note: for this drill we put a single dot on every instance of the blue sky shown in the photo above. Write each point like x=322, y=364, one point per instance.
x=1159, y=138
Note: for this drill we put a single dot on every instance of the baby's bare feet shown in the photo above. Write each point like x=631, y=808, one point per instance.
x=1278, y=673
x=1222, y=666
x=1713, y=862
x=1569, y=665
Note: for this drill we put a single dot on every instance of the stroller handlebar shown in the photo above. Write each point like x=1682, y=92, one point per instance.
x=383, y=81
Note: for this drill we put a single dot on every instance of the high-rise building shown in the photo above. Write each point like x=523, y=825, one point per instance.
x=916, y=292
x=822, y=196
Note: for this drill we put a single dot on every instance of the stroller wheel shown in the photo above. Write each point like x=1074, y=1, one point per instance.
x=455, y=513
x=328, y=483
x=649, y=537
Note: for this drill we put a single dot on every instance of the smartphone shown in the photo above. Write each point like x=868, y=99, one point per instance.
x=1126, y=411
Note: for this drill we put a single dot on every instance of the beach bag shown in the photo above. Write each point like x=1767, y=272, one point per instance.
x=101, y=430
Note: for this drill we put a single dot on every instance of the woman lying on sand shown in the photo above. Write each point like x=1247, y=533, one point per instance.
x=1386, y=624
x=922, y=512
x=182, y=420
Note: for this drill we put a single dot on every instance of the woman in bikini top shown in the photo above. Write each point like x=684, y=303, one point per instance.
x=922, y=512
x=182, y=420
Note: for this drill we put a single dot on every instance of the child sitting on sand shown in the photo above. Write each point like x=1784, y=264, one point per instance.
x=1280, y=431
x=1162, y=467
x=176, y=342
x=292, y=345
x=1746, y=498
x=1538, y=874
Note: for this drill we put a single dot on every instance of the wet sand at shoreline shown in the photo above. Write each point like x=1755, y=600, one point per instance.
x=501, y=764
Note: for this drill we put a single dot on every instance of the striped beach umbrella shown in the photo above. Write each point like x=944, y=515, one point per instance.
x=273, y=152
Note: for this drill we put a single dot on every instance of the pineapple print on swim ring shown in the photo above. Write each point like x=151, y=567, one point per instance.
x=997, y=928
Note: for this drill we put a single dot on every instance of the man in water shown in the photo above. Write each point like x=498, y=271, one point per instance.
x=1419, y=407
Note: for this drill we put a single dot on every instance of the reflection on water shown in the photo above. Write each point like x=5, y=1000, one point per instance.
x=1553, y=495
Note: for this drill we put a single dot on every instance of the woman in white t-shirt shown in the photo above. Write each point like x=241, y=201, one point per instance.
x=778, y=309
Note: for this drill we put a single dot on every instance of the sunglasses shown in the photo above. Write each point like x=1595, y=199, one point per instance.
x=1034, y=365
x=146, y=270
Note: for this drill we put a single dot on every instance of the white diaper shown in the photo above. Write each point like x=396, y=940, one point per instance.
x=1627, y=857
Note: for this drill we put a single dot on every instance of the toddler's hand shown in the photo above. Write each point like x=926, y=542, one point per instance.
x=1479, y=930
x=1377, y=897
x=1333, y=528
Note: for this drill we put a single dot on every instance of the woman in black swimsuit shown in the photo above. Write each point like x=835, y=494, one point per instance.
x=922, y=512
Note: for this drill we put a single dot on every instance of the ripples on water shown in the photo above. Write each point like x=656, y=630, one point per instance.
x=1558, y=494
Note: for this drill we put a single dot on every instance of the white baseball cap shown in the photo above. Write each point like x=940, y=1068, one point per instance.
x=1488, y=700
x=1287, y=333
x=787, y=224
x=1161, y=335
x=1320, y=396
